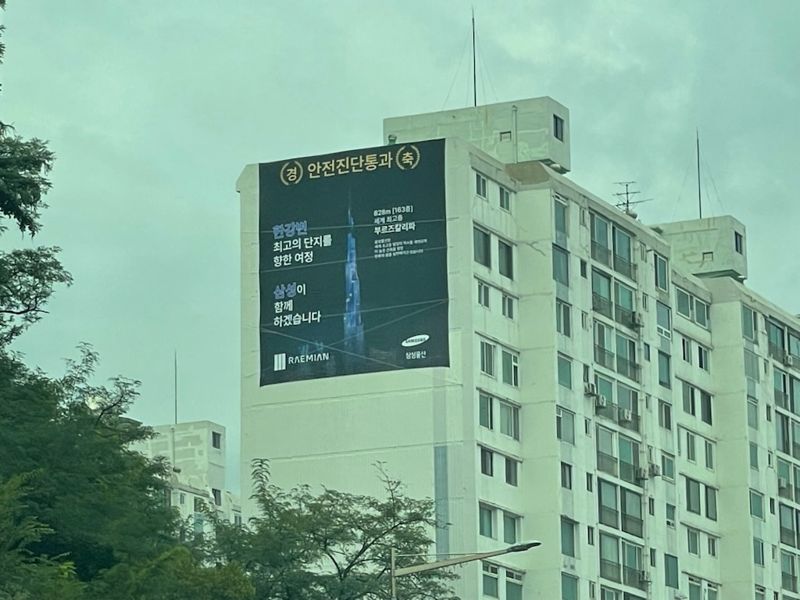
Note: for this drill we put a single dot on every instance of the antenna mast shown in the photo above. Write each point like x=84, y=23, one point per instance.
x=175, y=389
x=474, y=72
x=625, y=202
x=699, y=193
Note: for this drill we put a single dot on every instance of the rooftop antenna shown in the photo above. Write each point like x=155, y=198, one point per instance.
x=175, y=401
x=474, y=70
x=699, y=193
x=625, y=196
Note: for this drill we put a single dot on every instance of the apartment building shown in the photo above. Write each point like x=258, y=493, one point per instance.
x=612, y=388
x=196, y=452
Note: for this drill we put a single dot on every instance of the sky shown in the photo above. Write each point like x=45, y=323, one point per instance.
x=152, y=110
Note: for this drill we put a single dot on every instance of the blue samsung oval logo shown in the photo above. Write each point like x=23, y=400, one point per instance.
x=415, y=340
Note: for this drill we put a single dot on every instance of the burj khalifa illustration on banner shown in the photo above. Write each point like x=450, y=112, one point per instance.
x=353, y=323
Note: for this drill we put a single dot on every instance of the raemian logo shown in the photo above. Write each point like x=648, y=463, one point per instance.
x=279, y=362
x=415, y=340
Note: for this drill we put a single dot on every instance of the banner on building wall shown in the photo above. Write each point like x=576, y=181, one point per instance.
x=353, y=263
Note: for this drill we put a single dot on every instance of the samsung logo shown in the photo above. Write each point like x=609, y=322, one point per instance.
x=415, y=340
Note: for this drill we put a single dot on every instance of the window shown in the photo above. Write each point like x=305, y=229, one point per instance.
x=480, y=185
x=701, y=313
x=509, y=419
x=751, y=365
x=486, y=520
x=756, y=505
x=485, y=410
x=775, y=339
x=181, y=498
x=667, y=466
x=709, y=454
x=566, y=476
x=664, y=371
x=510, y=528
x=711, y=503
x=661, y=271
x=753, y=455
x=487, y=462
x=684, y=303
x=563, y=323
x=490, y=585
x=670, y=511
x=749, y=324
x=705, y=407
x=609, y=557
x=505, y=199
x=567, y=537
x=671, y=571
x=558, y=128
x=608, y=507
x=623, y=252
x=738, y=242
x=693, y=496
x=752, y=412
x=689, y=405
x=788, y=572
x=512, y=471
x=601, y=294
x=565, y=425
x=505, y=253
x=561, y=265
x=483, y=294
x=664, y=320
x=665, y=414
x=564, y=371
x=703, y=358
x=693, y=541
x=569, y=587
x=513, y=585
x=217, y=494
x=508, y=306
x=560, y=210
x=481, y=241
x=590, y=535
x=216, y=440
x=691, y=446
x=510, y=368
x=487, y=357
x=686, y=349
x=758, y=552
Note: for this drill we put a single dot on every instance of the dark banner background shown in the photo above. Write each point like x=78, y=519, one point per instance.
x=401, y=296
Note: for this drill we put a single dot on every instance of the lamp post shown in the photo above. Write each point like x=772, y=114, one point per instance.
x=394, y=572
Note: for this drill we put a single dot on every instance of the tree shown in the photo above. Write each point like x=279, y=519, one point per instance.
x=333, y=545
x=27, y=276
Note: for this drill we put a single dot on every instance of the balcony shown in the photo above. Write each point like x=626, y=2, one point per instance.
x=601, y=253
x=608, y=516
x=602, y=305
x=785, y=491
x=632, y=525
x=782, y=399
x=632, y=576
x=624, y=266
x=628, y=368
x=628, y=420
x=610, y=570
x=603, y=357
x=624, y=316
x=788, y=581
x=775, y=351
x=787, y=536
x=628, y=472
x=607, y=463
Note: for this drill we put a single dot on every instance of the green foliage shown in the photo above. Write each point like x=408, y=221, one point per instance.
x=332, y=545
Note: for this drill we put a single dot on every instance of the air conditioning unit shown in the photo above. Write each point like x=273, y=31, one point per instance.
x=601, y=402
x=644, y=577
x=638, y=320
x=591, y=389
x=788, y=360
x=641, y=473
x=625, y=415
x=655, y=470
x=783, y=483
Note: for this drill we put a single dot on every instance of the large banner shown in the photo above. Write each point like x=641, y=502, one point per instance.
x=353, y=263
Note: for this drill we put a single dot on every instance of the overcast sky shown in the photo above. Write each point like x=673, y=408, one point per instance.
x=153, y=108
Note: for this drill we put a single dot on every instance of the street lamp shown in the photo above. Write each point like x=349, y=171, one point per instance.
x=394, y=572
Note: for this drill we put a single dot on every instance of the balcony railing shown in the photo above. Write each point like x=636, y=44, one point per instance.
x=601, y=253
x=624, y=316
x=607, y=463
x=785, y=491
x=787, y=536
x=788, y=581
x=602, y=305
x=782, y=399
x=610, y=570
x=608, y=516
x=604, y=357
x=632, y=525
x=628, y=472
x=628, y=420
x=632, y=576
x=628, y=368
x=624, y=266
x=775, y=351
